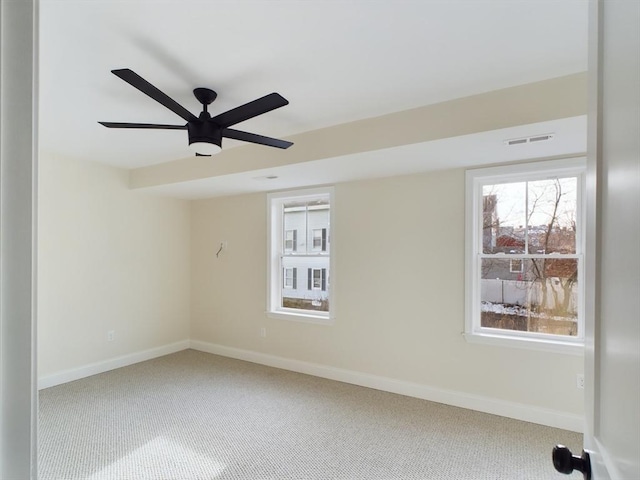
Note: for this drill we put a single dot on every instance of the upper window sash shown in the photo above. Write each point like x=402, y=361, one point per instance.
x=476, y=180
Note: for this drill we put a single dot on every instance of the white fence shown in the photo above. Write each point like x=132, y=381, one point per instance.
x=513, y=292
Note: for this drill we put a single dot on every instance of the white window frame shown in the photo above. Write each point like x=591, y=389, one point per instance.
x=475, y=179
x=275, y=202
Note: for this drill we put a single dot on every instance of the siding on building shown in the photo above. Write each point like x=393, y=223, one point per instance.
x=303, y=255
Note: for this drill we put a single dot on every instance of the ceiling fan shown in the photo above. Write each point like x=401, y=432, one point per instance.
x=205, y=132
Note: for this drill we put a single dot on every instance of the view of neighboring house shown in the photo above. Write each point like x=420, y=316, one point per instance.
x=305, y=259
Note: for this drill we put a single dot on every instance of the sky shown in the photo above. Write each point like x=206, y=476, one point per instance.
x=541, y=198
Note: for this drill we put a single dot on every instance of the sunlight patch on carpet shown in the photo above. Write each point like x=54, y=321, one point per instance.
x=161, y=458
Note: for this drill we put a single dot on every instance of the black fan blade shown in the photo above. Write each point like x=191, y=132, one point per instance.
x=250, y=110
x=253, y=138
x=135, y=80
x=143, y=125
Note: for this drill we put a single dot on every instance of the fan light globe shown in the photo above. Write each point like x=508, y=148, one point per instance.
x=205, y=148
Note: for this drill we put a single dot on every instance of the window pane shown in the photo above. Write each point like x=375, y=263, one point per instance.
x=504, y=218
x=288, y=278
x=552, y=208
x=317, y=239
x=306, y=292
x=543, y=298
x=516, y=266
x=308, y=219
x=294, y=220
x=289, y=240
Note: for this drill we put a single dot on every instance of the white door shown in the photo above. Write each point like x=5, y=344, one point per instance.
x=612, y=369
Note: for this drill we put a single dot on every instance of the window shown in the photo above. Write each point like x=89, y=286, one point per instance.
x=317, y=279
x=525, y=255
x=290, y=278
x=516, y=266
x=320, y=239
x=291, y=240
x=300, y=224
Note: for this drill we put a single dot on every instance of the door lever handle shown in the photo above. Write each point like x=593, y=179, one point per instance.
x=565, y=462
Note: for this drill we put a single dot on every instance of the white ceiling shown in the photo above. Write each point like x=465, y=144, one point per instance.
x=334, y=61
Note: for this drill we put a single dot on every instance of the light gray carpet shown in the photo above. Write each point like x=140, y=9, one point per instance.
x=193, y=415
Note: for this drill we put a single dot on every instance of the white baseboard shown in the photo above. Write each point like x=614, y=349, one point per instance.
x=111, y=364
x=503, y=408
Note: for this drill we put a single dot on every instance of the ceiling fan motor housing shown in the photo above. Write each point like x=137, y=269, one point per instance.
x=204, y=132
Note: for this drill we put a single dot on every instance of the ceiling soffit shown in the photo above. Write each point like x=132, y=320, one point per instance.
x=542, y=101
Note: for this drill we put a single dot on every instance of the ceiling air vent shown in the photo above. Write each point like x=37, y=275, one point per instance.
x=537, y=138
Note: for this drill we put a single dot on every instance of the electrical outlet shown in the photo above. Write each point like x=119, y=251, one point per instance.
x=111, y=335
x=263, y=332
x=580, y=381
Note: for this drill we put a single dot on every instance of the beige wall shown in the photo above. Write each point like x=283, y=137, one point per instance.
x=115, y=259
x=109, y=259
x=399, y=300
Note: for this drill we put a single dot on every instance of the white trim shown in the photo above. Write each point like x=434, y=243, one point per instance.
x=603, y=464
x=18, y=238
x=110, y=364
x=510, y=172
x=294, y=316
x=495, y=406
x=512, y=341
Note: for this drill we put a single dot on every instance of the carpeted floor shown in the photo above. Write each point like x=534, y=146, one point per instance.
x=192, y=415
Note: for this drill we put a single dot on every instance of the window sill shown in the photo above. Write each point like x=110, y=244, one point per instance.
x=555, y=346
x=301, y=317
